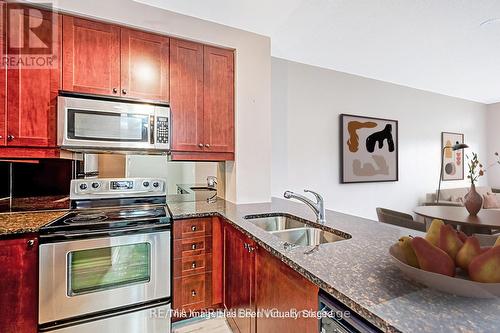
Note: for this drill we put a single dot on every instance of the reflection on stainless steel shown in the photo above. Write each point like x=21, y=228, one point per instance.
x=275, y=223
x=307, y=236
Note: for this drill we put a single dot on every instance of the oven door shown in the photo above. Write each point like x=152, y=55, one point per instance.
x=95, y=124
x=94, y=275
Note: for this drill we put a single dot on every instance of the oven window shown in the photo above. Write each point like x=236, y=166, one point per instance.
x=107, y=126
x=109, y=267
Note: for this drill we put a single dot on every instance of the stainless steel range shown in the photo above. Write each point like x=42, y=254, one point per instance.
x=105, y=266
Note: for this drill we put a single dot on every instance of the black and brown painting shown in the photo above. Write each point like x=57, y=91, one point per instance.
x=369, y=149
x=453, y=164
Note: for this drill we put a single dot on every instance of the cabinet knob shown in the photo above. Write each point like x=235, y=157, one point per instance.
x=200, y=145
x=124, y=91
x=115, y=90
x=1, y=136
x=207, y=145
x=193, y=246
x=10, y=137
x=193, y=228
x=193, y=293
x=31, y=243
x=193, y=265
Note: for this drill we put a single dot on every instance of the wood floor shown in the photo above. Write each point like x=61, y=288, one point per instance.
x=213, y=325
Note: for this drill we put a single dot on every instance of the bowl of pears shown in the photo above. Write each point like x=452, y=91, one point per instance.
x=450, y=261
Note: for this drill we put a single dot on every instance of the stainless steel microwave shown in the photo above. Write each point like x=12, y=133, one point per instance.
x=98, y=124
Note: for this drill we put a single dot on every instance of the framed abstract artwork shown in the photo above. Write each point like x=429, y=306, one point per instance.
x=369, y=149
x=453, y=161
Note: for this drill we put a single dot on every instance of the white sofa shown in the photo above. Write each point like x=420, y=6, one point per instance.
x=454, y=196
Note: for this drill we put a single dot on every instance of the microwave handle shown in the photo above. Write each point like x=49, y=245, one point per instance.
x=152, y=120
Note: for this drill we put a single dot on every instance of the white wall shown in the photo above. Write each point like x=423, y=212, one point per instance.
x=493, y=130
x=306, y=103
x=248, y=178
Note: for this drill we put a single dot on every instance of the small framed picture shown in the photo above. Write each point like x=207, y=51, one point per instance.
x=453, y=161
x=369, y=149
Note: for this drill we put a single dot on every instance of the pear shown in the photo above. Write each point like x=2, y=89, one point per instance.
x=462, y=236
x=469, y=251
x=433, y=232
x=449, y=241
x=497, y=243
x=431, y=258
x=405, y=245
x=486, y=266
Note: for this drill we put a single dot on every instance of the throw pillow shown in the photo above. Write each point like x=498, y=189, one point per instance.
x=490, y=201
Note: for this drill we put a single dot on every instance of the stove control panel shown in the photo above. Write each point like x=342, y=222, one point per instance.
x=116, y=188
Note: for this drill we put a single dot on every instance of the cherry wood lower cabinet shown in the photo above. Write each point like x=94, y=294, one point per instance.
x=256, y=280
x=197, y=266
x=277, y=286
x=239, y=278
x=19, y=284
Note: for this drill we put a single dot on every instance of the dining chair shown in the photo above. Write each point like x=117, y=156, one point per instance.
x=399, y=219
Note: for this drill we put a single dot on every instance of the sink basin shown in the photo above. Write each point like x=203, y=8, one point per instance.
x=275, y=223
x=307, y=236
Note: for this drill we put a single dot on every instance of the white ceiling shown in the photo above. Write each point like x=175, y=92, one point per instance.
x=434, y=45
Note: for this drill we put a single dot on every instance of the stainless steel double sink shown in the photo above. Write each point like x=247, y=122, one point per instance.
x=294, y=230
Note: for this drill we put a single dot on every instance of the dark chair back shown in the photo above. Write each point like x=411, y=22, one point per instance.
x=400, y=219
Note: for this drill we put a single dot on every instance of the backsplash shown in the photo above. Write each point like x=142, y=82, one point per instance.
x=35, y=186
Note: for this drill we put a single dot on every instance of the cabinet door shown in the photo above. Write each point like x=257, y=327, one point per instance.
x=32, y=87
x=144, y=65
x=218, y=112
x=19, y=287
x=239, y=278
x=280, y=287
x=91, y=57
x=186, y=95
x=3, y=81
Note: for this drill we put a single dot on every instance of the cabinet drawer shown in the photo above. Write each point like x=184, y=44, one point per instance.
x=193, y=292
x=192, y=265
x=188, y=247
x=192, y=228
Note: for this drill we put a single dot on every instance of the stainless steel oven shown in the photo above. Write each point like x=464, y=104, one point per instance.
x=91, y=123
x=106, y=265
x=93, y=275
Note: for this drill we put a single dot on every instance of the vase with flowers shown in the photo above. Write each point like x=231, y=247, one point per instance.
x=474, y=201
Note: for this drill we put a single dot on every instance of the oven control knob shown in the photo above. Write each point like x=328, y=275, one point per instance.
x=83, y=187
x=156, y=184
x=145, y=184
x=95, y=185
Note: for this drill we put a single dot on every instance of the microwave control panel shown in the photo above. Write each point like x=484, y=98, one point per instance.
x=162, y=130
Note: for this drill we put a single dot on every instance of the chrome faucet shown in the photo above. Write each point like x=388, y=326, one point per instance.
x=318, y=207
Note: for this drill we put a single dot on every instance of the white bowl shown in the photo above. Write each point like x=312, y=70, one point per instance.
x=459, y=285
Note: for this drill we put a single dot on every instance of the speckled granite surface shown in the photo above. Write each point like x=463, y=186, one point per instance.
x=359, y=271
x=17, y=223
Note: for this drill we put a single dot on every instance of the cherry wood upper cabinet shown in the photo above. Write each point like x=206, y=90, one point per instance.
x=91, y=57
x=3, y=81
x=218, y=99
x=19, y=287
x=186, y=95
x=144, y=65
x=280, y=287
x=239, y=270
x=32, y=89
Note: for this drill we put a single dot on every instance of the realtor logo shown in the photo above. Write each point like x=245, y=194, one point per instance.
x=31, y=35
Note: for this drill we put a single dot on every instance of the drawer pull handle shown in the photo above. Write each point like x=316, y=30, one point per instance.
x=193, y=265
x=193, y=228
x=193, y=293
x=193, y=246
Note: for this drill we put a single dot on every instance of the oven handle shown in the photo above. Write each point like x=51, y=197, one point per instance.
x=69, y=234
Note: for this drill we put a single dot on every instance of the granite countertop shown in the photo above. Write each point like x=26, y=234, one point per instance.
x=18, y=223
x=359, y=271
